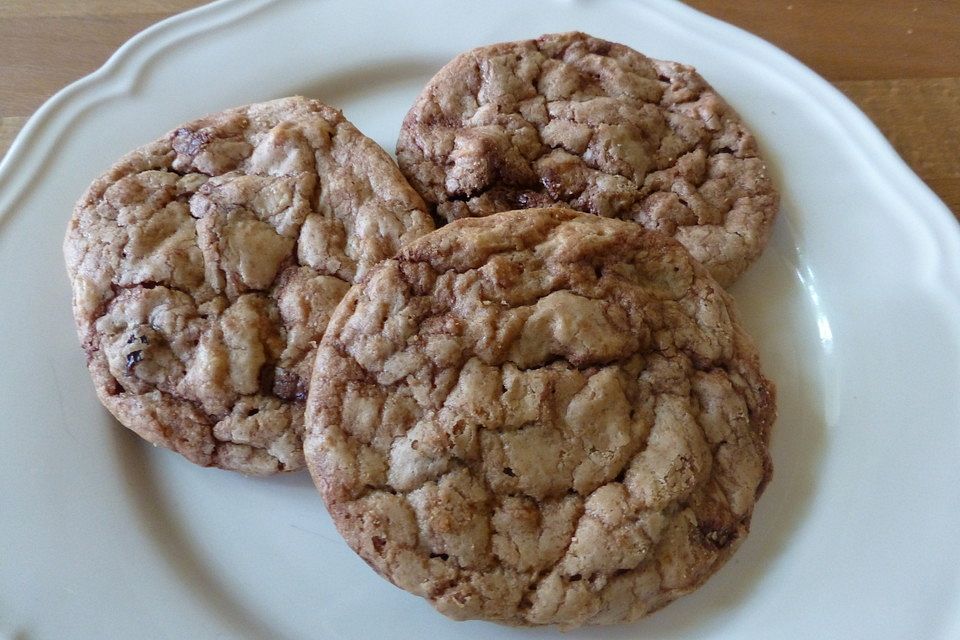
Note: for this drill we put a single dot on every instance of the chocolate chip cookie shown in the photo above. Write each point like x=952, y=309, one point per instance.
x=540, y=417
x=206, y=265
x=575, y=120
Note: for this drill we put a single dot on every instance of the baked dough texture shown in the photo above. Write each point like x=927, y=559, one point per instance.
x=206, y=265
x=574, y=120
x=540, y=417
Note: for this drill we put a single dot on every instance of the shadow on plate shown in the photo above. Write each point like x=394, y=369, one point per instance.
x=175, y=545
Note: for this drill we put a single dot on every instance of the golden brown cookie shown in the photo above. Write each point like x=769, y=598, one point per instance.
x=540, y=417
x=574, y=120
x=206, y=265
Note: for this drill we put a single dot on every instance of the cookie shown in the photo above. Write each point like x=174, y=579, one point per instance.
x=205, y=266
x=574, y=120
x=540, y=417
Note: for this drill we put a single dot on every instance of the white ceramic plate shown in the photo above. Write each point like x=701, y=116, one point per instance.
x=855, y=305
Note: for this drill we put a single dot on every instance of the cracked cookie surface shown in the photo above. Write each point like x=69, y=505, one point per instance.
x=578, y=121
x=540, y=417
x=206, y=265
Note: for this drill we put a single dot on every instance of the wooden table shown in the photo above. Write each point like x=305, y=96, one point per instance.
x=898, y=60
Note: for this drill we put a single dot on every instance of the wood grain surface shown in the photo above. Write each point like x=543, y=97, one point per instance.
x=898, y=60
